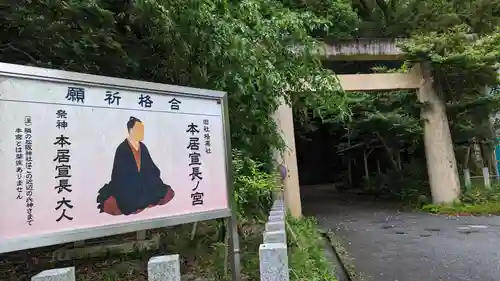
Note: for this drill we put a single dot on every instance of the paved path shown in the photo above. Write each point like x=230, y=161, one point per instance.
x=389, y=245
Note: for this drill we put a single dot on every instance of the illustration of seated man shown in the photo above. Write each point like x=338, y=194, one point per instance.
x=135, y=180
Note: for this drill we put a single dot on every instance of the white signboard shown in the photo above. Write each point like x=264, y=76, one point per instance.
x=85, y=156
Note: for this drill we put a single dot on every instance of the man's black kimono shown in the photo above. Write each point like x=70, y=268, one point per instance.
x=133, y=189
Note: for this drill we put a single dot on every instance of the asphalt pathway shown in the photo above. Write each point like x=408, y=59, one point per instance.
x=389, y=245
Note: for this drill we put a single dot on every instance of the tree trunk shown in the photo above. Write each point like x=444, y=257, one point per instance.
x=440, y=156
x=349, y=170
x=349, y=167
x=367, y=172
x=397, y=157
x=467, y=157
x=365, y=160
x=389, y=152
x=477, y=157
x=488, y=157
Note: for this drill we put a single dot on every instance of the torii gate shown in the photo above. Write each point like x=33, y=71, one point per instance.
x=440, y=156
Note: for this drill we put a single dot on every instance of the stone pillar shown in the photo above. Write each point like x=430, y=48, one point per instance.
x=467, y=180
x=273, y=213
x=164, y=268
x=141, y=235
x=486, y=177
x=274, y=236
x=59, y=274
x=276, y=217
x=284, y=120
x=440, y=156
x=273, y=260
x=275, y=226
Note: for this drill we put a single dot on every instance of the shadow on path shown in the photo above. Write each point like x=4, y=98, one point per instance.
x=388, y=245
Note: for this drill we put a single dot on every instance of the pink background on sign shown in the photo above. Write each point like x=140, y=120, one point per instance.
x=95, y=134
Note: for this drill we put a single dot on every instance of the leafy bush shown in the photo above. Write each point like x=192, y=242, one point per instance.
x=478, y=194
x=253, y=186
x=410, y=183
x=476, y=200
x=307, y=257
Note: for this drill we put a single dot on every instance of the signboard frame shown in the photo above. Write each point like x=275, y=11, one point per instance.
x=8, y=71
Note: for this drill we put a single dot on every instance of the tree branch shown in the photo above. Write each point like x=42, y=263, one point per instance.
x=12, y=47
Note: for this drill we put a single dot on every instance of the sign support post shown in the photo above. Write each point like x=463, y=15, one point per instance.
x=234, y=243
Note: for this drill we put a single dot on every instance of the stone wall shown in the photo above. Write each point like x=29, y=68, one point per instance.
x=273, y=255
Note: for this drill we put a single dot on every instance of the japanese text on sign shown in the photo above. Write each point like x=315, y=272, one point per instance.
x=19, y=162
x=206, y=130
x=76, y=94
x=28, y=147
x=63, y=167
x=112, y=97
x=195, y=163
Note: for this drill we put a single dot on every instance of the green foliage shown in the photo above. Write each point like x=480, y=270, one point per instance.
x=403, y=18
x=408, y=184
x=490, y=208
x=477, y=200
x=389, y=117
x=307, y=256
x=386, y=126
x=253, y=186
x=462, y=67
x=477, y=194
x=340, y=16
x=246, y=48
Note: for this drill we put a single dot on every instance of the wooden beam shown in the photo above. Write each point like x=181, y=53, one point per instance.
x=379, y=81
x=364, y=49
x=376, y=49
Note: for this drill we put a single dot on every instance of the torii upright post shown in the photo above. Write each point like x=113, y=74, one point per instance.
x=284, y=121
x=441, y=161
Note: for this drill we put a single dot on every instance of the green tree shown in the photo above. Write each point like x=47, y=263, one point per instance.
x=246, y=48
x=402, y=18
x=462, y=68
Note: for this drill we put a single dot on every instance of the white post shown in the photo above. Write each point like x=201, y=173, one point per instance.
x=275, y=226
x=59, y=274
x=486, y=176
x=274, y=236
x=273, y=259
x=164, y=268
x=141, y=235
x=467, y=180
